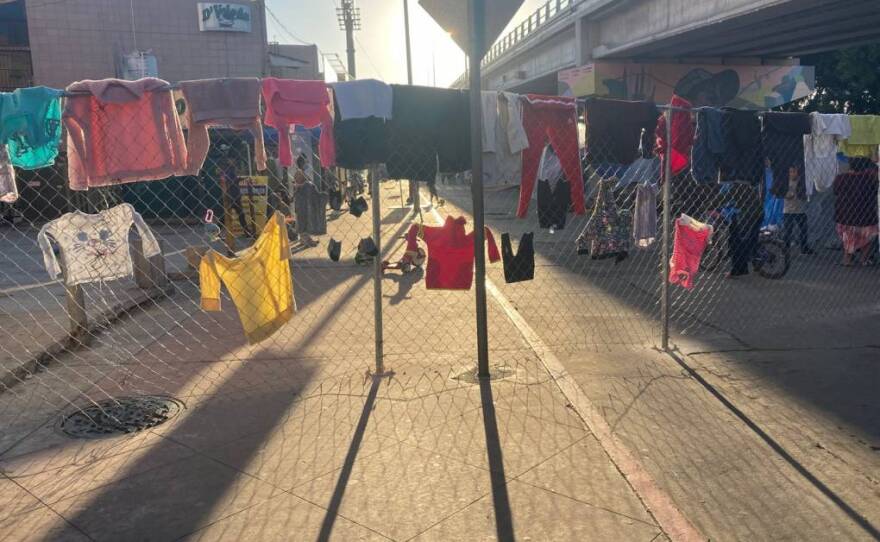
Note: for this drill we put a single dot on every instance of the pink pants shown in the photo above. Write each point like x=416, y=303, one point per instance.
x=553, y=118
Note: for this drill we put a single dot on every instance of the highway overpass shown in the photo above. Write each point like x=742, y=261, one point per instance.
x=565, y=34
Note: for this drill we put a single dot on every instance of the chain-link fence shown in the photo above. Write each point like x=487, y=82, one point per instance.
x=356, y=361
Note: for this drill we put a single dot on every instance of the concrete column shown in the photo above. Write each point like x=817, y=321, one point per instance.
x=584, y=37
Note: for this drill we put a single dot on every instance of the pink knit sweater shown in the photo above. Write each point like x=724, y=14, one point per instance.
x=121, y=132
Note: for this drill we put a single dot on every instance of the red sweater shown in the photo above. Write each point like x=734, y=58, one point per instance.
x=307, y=103
x=450, y=254
x=691, y=238
x=682, y=136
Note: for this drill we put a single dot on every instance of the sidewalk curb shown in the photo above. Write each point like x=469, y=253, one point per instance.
x=17, y=375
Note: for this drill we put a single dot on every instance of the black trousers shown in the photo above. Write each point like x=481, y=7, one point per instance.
x=553, y=204
x=789, y=221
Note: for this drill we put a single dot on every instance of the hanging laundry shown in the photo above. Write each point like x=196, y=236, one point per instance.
x=504, y=138
x=232, y=103
x=689, y=243
x=121, y=132
x=742, y=159
x=820, y=149
x=554, y=201
x=709, y=146
x=617, y=130
x=550, y=169
x=645, y=216
x=727, y=146
x=258, y=281
x=360, y=127
x=553, y=119
x=30, y=125
x=682, y=128
x=518, y=267
x=362, y=99
x=451, y=254
x=865, y=136
x=783, y=143
x=310, y=208
x=429, y=129
x=305, y=103
x=94, y=247
x=8, y=188
x=607, y=232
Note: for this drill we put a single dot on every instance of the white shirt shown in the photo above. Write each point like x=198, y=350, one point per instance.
x=362, y=99
x=504, y=138
x=820, y=149
x=94, y=247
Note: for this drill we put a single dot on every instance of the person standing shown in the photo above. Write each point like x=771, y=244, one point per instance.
x=855, y=209
x=232, y=191
x=302, y=208
x=794, y=211
x=745, y=227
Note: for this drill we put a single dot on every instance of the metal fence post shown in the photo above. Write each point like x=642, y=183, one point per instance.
x=664, y=252
x=477, y=31
x=377, y=271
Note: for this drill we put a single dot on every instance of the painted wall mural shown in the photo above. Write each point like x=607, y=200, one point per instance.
x=748, y=87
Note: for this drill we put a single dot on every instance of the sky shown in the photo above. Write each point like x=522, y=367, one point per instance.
x=380, y=45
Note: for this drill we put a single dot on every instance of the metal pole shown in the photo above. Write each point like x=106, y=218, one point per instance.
x=377, y=272
x=408, y=52
x=477, y=34
x=664, y=253
x=413, y=185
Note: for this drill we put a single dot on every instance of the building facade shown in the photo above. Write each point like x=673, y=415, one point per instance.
x=15, y=56
x=172, y=39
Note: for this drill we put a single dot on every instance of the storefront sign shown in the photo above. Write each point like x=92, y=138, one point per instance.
x=254, y=201
x=222, y=17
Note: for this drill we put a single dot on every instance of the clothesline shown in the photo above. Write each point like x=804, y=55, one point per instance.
x=74, y=94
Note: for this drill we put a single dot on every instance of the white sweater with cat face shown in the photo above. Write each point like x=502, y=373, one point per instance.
x=94, y=247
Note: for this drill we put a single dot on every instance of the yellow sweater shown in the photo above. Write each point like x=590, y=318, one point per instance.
x=258, y=281
x=865, y=136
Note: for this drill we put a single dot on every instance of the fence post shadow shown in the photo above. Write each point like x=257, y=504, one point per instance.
x=500, y=498
x=348, y=465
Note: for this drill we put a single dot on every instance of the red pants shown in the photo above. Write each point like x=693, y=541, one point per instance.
x=553, y=118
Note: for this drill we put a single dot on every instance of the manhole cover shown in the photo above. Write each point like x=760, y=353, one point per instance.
x=120, y=416
x=497, y=372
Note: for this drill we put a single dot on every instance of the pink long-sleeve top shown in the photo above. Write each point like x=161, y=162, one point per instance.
x=121, y=132
x=307, y=103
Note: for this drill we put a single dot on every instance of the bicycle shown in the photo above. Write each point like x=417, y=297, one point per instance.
x=771, y=259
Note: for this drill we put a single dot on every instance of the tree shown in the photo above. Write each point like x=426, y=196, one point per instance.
x=847, y=81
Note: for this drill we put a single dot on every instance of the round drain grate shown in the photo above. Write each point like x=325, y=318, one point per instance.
x=497, y=372
x=120, y=416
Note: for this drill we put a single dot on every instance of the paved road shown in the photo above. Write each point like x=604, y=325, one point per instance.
x=294, y=435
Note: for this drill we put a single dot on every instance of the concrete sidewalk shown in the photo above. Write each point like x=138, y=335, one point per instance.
x=766, y=427
x=296, y=439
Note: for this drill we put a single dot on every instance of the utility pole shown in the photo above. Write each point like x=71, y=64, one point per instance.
x=349, y=20
x=406, y=31
x=413, y=185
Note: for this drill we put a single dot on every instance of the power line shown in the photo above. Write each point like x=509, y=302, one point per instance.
x=284, y=28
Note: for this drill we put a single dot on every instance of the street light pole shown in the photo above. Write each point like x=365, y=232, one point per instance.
x=413, y=185
x=408, y=52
